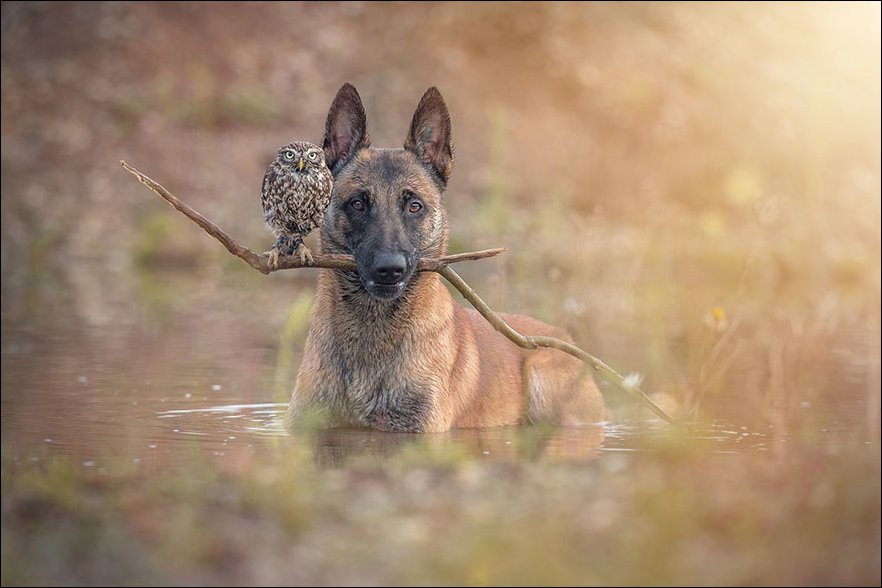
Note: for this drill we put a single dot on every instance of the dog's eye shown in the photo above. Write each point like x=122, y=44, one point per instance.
x=289, y=154
x=357, y=204
x=415, y=206
x=313, y=156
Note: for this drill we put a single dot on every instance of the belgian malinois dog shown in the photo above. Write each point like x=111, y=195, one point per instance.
x=388, y=347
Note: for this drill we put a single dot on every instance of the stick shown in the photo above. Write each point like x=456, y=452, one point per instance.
x=534, y=342
x=259, y=261
x=434, y=264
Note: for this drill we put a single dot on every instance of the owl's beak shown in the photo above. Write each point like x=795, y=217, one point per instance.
x=300, y=164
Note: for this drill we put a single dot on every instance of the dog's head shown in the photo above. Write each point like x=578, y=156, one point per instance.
x=387, y=206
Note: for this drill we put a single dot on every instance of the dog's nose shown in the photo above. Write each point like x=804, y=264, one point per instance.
x=388, y=268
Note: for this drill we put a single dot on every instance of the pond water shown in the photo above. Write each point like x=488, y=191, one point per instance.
x=94, y=394
x=150, y=430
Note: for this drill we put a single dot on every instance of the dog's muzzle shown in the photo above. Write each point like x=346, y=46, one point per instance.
x=386, y=275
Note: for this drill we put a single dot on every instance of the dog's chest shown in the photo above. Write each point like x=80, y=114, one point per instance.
x=380, y=384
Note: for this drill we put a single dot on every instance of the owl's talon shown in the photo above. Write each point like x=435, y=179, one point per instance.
x=305, y=254
x=273, y=261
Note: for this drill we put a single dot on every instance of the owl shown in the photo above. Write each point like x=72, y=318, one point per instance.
x=296, y=191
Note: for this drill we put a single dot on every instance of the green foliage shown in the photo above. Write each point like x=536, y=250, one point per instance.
x=203, y=103
x=672, y=513
x=292, y=337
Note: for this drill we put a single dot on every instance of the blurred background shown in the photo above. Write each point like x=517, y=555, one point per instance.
x=691, y=189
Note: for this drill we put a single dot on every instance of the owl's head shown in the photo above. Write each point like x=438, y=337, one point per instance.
x=301, y=156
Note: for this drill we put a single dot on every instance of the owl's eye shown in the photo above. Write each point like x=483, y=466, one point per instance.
x=289, y=155
x=313, y=156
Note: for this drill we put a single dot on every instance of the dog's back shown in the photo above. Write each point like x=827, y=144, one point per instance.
x=388, y=347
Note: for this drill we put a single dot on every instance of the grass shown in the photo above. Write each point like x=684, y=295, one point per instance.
x=670, y=514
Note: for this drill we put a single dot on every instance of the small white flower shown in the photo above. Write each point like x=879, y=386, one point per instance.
x=632, y=380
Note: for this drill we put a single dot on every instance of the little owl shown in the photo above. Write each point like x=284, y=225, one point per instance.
x=296, y=191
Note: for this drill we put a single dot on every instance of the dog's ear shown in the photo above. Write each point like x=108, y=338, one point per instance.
x=346, y=128
x=429, y=137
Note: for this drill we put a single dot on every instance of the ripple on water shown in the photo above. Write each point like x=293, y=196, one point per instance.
x=229, y=424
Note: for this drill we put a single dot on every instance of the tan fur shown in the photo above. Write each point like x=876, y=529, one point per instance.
x=473, y=376
x=417, y=361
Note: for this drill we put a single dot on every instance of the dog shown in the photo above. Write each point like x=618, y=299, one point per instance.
x=388, y=347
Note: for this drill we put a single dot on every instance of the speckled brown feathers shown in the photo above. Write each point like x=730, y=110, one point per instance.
x=295, y=194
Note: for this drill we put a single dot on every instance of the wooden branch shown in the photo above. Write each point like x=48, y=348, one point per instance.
x=259, y=261
x=435, y=264
x=534, y=342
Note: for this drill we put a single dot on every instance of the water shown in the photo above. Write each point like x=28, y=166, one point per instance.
x=163, y=429
x=57, y=395
x=158, y=403
x=153, y=434
x=157, y=397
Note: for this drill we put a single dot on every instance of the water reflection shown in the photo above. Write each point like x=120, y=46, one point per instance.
x=253, y=423
x=159, y=397
x=256, y=425
x=259, y=419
